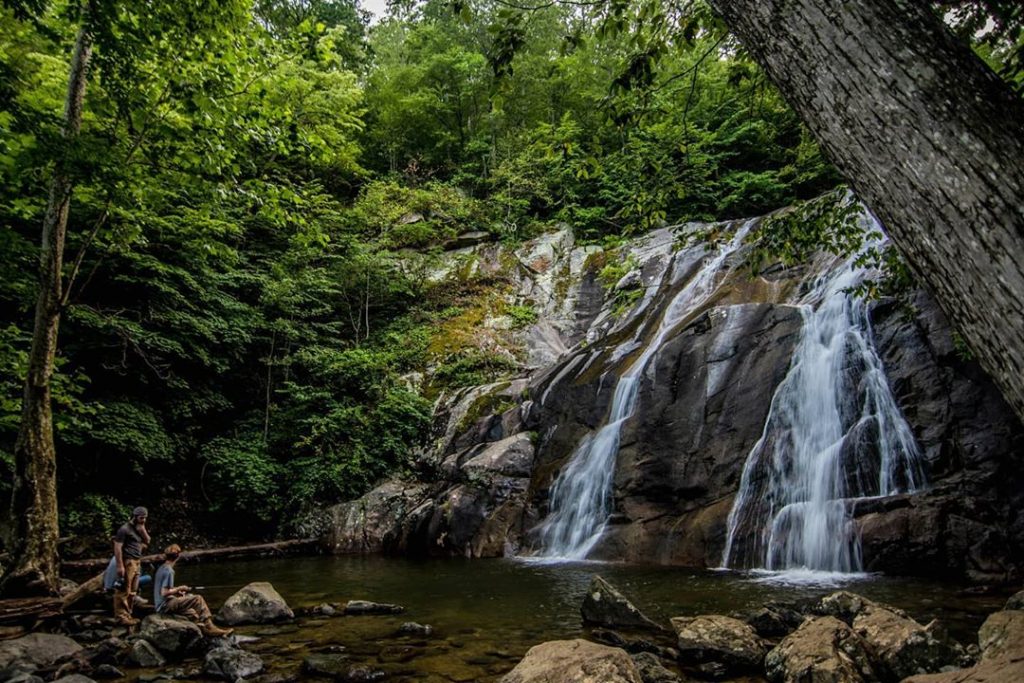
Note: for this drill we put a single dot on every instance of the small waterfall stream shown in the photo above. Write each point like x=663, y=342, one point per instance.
x=833, y=434
x=581, y=496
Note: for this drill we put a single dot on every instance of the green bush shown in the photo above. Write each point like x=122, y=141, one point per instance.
x=239, y=476
x=93, y=515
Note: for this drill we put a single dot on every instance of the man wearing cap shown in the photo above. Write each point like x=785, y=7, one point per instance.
x=129, y=542
x=171, y=599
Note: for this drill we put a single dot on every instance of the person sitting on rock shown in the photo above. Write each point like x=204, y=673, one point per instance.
x=171, y=599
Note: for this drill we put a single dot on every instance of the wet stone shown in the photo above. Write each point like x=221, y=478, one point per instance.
x=411, y=628
x=334, y=665
x=367, y=607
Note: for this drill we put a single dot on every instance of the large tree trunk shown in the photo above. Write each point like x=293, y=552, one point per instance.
x=927, y=135
x=34, y=570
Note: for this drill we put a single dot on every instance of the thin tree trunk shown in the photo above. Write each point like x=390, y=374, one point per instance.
x=35, y=567
x=927, y=135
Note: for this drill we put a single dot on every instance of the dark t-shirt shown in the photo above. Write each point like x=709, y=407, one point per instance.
x=130, y=540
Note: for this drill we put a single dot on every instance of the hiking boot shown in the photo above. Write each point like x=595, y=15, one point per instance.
x=211, y=630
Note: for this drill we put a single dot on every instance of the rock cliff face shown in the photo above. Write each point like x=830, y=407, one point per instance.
x=483, y=488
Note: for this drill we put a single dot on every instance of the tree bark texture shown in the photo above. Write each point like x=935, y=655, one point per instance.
x=928, y=137
x=35, y=567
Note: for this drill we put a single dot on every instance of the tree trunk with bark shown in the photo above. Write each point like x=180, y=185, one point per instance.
x=35, y=567
x=928, y=137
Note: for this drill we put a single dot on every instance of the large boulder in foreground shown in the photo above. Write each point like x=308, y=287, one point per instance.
x=574, y=661
x=36, y=650
x=257, y=603
x=718, y=639
x=1002, y=635
x=822, y=650
x=172, y=636
x=994, y=671
x=901, y=646
x=606, y=606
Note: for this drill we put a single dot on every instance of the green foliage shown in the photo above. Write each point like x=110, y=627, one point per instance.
x=522, y=315
x=473, y=367
x=240, y=476
x=830, y=223
x=93, y=515
x=401, y=216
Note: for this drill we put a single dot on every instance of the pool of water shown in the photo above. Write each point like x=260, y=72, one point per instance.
x=488, y=613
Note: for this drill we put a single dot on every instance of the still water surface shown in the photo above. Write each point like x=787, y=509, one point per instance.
x=487, y=613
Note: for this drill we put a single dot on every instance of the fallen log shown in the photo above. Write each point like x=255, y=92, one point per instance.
x=232, y=552
x=93, y=585
x=28, y=611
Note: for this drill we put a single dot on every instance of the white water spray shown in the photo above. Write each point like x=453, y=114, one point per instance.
x=581, y=496
x=833, y=434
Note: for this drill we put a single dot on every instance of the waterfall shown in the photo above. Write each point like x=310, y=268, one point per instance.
x=581, y=496
x=833, y=434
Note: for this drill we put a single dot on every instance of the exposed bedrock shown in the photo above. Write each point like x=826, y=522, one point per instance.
x=483, y=487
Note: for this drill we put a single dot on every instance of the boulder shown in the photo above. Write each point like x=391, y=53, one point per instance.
x=773, y=621
x=107, y=671
x=901, y=646
x=74, y=678
x=574, y=661
x=257, y=603
x=606, y=606
x=36, y=650
x=143, y=654
x=230, y=664
x=1002, y=635
x=1016, y=601
x=992, y=671
x=652, y=670
x=411, y=628
x=715, y=638
x=172, y=636
x=367, y=607
x=17, y=675
x=330, y=665
x=822, y=650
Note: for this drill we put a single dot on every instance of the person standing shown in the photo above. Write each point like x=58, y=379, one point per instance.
x=171, y=599
x=129, y=542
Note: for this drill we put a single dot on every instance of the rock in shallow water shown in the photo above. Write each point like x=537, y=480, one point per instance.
x=257, y=603
x=652, y=670
x=574, y=661
x=230, y=664
x=36, y=650
x=996, y=671
x=142, y=653
x=172, y=636
x=715, y=638
x=822, y=650
x=367, y=607
x=605, y=605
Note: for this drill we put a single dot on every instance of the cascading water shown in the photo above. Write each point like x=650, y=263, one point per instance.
x=581, y=496
x=833, y=434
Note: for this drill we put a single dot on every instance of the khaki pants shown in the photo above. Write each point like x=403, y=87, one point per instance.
x=192, y=606
x=124, y=598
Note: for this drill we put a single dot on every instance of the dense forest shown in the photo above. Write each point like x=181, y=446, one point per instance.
x=243, y=330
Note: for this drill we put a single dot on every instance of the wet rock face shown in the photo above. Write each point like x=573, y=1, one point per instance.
x=257, y=603
x=823, y=650
x=965, y=525
x=718, y=639
x=484, y=486
x=574, y=661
